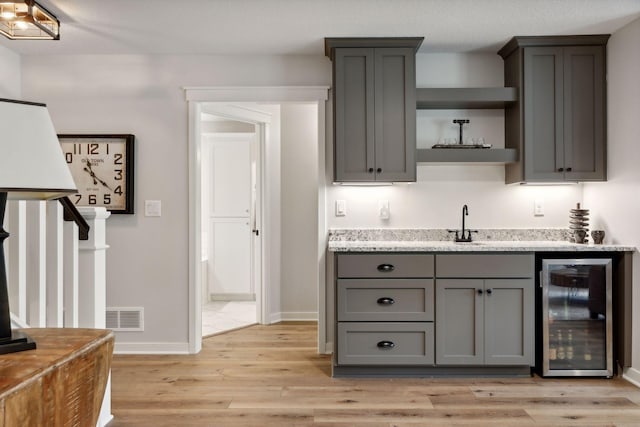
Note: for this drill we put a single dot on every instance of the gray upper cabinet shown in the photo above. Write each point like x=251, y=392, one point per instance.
x=559, y=123
x=374, y=108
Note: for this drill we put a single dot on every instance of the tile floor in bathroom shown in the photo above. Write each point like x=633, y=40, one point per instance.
x=220, y=316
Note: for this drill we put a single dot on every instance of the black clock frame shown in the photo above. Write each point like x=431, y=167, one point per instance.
x=129, y=141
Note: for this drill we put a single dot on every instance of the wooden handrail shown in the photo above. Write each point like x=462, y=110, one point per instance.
x=71, y=213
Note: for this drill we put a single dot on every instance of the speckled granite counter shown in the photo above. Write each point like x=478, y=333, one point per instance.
x=435, y=240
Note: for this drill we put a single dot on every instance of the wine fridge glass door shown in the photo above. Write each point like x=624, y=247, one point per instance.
x=576, y=318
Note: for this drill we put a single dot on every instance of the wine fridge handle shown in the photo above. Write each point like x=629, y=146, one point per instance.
x=540, y=278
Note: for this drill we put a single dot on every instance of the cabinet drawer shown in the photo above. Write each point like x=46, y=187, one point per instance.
x=485, y=266
x=385, y=300
x=385, y=343
x=384, y=265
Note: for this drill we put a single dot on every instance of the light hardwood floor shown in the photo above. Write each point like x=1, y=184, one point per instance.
x=268, y=376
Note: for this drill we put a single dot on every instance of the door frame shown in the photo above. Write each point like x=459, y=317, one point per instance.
x=195, y=97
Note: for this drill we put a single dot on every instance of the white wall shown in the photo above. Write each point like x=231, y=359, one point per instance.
x=299, y=138
x=435, y=201
x=10, y=75
x=615, y=204
x=143, y=95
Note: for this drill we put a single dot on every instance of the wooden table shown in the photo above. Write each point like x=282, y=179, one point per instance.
x=61, y=383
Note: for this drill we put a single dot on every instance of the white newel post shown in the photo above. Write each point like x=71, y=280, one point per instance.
x=92, y=285
x=92, y=274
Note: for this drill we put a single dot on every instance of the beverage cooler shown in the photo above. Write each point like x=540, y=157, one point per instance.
x=576, y=317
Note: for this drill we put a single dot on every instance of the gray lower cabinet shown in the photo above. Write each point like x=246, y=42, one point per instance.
x=484, y=321
x=485, y=309
x=559, y=122
x=384, y=309
x=434, y=312
x=374, y=109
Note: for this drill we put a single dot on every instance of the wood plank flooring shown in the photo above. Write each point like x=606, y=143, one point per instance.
x=268, y=376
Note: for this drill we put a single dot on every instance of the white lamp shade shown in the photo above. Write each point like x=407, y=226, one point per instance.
x=32, y=165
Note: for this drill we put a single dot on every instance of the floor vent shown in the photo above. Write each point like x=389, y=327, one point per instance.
x=125, y=318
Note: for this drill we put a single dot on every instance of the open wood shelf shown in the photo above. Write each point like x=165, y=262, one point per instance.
x=465, y=98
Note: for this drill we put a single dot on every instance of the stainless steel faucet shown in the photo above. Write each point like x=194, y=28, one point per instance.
x=466, y=234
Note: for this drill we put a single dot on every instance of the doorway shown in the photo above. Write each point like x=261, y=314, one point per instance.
x=269, y=296
x=231, y=159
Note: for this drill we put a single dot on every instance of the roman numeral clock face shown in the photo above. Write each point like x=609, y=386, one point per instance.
x=101, y=168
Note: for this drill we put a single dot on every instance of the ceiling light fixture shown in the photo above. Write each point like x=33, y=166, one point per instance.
x=27, y=20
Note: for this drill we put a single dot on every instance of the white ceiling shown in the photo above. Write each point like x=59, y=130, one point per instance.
x=250, y=27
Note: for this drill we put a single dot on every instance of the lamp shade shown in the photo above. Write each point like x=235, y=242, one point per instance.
x=32, y=165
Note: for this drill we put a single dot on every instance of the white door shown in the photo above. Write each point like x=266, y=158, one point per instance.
x=230, y=219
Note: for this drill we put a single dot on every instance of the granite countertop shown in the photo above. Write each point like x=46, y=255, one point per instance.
x=433, y=240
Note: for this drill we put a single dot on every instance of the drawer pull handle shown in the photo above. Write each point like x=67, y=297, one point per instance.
x=386, y=268
x=489, y=291
x=386, y=345
x=386, y=301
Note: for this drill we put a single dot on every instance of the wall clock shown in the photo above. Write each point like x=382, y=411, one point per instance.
x=102, y=167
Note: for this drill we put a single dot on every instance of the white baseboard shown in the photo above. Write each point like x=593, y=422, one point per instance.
x=632, y=375
x=151, y=348
x=293, y=316
x=328, y=348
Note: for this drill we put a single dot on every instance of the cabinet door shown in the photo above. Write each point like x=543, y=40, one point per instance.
x=584, y=113
x=459, y=322
x=354, y=114
x=395, y=114
x=508, y=321
x=543, y=114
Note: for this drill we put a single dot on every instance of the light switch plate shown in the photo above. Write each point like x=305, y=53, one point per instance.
x=383, y=209
x=538, y=207
x=152, y=208
x=341, y=207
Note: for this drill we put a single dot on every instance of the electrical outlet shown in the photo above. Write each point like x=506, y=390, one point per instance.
x=341, y=207
x=383, y=209
x=538, y=207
